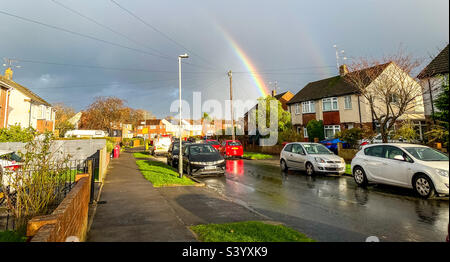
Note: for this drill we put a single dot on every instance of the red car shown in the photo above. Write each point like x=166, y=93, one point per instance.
x=231, y=148
x=214, y=143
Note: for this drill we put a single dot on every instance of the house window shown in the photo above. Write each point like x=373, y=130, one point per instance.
x=152, y=127
x=308, y=107
x=393, y=98
x=348, y=102
x=297, y=109
x=330, y=104
x=305, y=132
x=330, y=131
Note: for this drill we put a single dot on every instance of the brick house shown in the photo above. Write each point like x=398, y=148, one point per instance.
x=339, y=104
x=150, y=128
x=20, y=106
x=430, y=78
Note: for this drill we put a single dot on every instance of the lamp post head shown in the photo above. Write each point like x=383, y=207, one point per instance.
x=184, y=56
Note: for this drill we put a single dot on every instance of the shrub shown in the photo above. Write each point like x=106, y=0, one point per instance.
x=17, y=134
x=34, y=188
x=315, y=130
x=289, y=135
x=406, y=132
x=351, y=136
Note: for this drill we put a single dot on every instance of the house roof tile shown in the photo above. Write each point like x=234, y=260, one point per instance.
x=439, y=65
x=333, y=86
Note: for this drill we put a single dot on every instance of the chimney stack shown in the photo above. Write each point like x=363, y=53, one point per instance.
x=343, y=70
x=8, y=73
x=274, y=93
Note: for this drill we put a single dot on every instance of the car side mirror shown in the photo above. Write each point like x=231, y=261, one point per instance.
x=399, y=157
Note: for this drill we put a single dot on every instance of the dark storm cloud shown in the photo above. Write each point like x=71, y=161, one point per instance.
x=274, y=34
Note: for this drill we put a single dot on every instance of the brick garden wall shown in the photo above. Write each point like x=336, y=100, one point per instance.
x=69, y=219
x=273, y=150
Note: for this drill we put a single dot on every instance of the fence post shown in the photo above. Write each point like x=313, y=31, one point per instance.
x=90, y=166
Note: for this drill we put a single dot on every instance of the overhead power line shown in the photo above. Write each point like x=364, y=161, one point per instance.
x=112, y=68
x=88, y=36
x=108, y=28
x=111, y=83
x=162, y=33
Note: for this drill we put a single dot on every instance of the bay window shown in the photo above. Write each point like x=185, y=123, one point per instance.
x=331, y=130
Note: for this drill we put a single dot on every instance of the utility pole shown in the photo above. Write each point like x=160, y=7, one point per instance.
x=231, y=100
x=180, y=127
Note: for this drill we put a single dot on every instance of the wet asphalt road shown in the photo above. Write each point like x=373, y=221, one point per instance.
x=332, y=208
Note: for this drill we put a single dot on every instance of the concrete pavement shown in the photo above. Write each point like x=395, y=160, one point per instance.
x=134, y=210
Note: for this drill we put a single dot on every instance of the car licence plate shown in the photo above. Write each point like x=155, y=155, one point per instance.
x=210, y=167
x=334, y=166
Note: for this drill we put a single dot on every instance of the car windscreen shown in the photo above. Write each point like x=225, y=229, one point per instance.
x=234, y=143
x=426, y=154
x=316, y=149
x=201, y=149
x=213, y=142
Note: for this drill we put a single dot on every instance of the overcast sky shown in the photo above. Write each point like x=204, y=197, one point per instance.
x=276, y=35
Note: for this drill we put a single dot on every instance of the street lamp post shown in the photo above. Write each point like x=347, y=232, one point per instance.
x=180, y=153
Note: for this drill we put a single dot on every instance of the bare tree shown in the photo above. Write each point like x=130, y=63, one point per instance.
x=62, y=115
x=387, y=88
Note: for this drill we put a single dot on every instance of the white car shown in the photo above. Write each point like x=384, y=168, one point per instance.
x=405, y=165
x=311, y=157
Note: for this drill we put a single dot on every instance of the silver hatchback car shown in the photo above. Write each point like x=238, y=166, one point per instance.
x=310, y=157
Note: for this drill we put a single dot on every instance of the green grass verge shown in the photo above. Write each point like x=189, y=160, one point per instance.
x=142, y=155
x=160, y=174
x=250, y=231
x=257, y=156
x=11, y=236
x=348, y=169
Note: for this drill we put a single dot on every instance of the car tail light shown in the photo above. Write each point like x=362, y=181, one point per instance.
x=328, y=144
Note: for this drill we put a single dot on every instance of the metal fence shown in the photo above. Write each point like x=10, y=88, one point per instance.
x=63, y=180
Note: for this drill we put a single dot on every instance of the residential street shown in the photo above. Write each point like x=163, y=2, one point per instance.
x=332, y=208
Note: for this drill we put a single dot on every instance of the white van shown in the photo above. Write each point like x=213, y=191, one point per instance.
x=85, y=133
x=161, y=145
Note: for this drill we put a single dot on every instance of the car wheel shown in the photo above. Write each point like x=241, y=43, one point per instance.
x=423, y=186
x=283, y=165
x=309, y=169
x=360, y=176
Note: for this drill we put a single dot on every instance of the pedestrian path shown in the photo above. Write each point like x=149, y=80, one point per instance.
x=136, y=211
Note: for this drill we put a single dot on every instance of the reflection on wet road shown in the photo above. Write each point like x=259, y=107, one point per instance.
x=333, y=208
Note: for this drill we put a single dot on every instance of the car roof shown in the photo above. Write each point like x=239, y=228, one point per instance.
x=302, y=143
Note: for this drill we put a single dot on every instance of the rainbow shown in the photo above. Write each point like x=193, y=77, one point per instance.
x=257, y=79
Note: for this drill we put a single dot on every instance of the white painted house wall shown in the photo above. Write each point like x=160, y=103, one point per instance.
x=19, y=110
